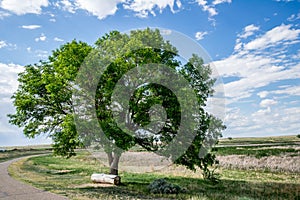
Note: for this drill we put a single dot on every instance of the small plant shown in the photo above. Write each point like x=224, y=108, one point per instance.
x=161, y=186
x=298, y=136
x=211, y=175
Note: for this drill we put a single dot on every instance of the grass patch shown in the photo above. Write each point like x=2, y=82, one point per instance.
x=71, y=177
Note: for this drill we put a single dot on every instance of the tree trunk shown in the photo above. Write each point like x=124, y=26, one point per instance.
x=110, y=158
x=113, y=161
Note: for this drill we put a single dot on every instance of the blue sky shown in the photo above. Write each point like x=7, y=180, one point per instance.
x=254, y=45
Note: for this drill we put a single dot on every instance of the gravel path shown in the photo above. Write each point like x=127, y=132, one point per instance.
x=13, y=189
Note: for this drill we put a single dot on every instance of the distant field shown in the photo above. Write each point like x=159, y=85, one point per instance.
x=8, y=153
x=284, y=140
x=248, y=171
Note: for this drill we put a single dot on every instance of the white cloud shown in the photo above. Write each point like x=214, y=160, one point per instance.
x=8, y=45
x=21, y=7
x=259, y=68
x=3, y=14
x=263, y=122
x=178, y=3
x=2, y=44
x=206, y=7
x=202, y=2
x=289, y=90
x=200, y=35
x=104, y=8
x=8, y=79
x=58, y=39
x=258, y=115
x=66, y=6
x=249, y=30
x=284, y=1
x=99, y=8
x=254, y=72
x=267, y=103
x=294, y=17
x=41, y=38
x=211, y=8
x=144, y=7
x=263, y=94
x=216, y=2
x=277, y=35
x=41, y=54
x=31, y=27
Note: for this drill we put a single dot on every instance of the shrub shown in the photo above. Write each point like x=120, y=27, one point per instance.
x=161, y=186
x=298, y=135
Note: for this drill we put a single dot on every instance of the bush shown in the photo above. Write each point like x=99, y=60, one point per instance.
x=298, y=135
x=161, y=186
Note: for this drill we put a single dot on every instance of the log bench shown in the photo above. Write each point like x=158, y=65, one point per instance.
x=106, y=178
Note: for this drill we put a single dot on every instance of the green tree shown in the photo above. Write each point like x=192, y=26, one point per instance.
x=44, y=102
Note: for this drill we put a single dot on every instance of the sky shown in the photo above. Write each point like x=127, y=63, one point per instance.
x=254, y=46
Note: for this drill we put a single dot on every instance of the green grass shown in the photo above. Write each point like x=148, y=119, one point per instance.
x=70, y=176
x=254, y=151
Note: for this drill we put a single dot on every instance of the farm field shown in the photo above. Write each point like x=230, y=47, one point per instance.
x=250, y=168
x=8, y=153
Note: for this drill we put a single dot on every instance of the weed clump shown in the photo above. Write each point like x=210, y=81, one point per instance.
x=161, y=186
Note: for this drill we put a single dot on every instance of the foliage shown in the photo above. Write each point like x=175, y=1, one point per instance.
x=298, y=136
x=43, y=99
x=161, y=186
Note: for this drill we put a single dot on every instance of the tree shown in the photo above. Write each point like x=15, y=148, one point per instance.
x=44, y=102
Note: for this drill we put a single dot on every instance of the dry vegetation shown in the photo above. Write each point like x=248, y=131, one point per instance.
x=247, y=172
x=283, y=163
x=274, y=154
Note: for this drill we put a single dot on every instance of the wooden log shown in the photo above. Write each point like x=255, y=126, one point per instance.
x=106, y=178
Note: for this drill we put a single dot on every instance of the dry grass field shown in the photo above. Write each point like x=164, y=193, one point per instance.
x=250, y=169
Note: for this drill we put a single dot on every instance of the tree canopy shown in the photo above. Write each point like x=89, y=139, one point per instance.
x=50, y=92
